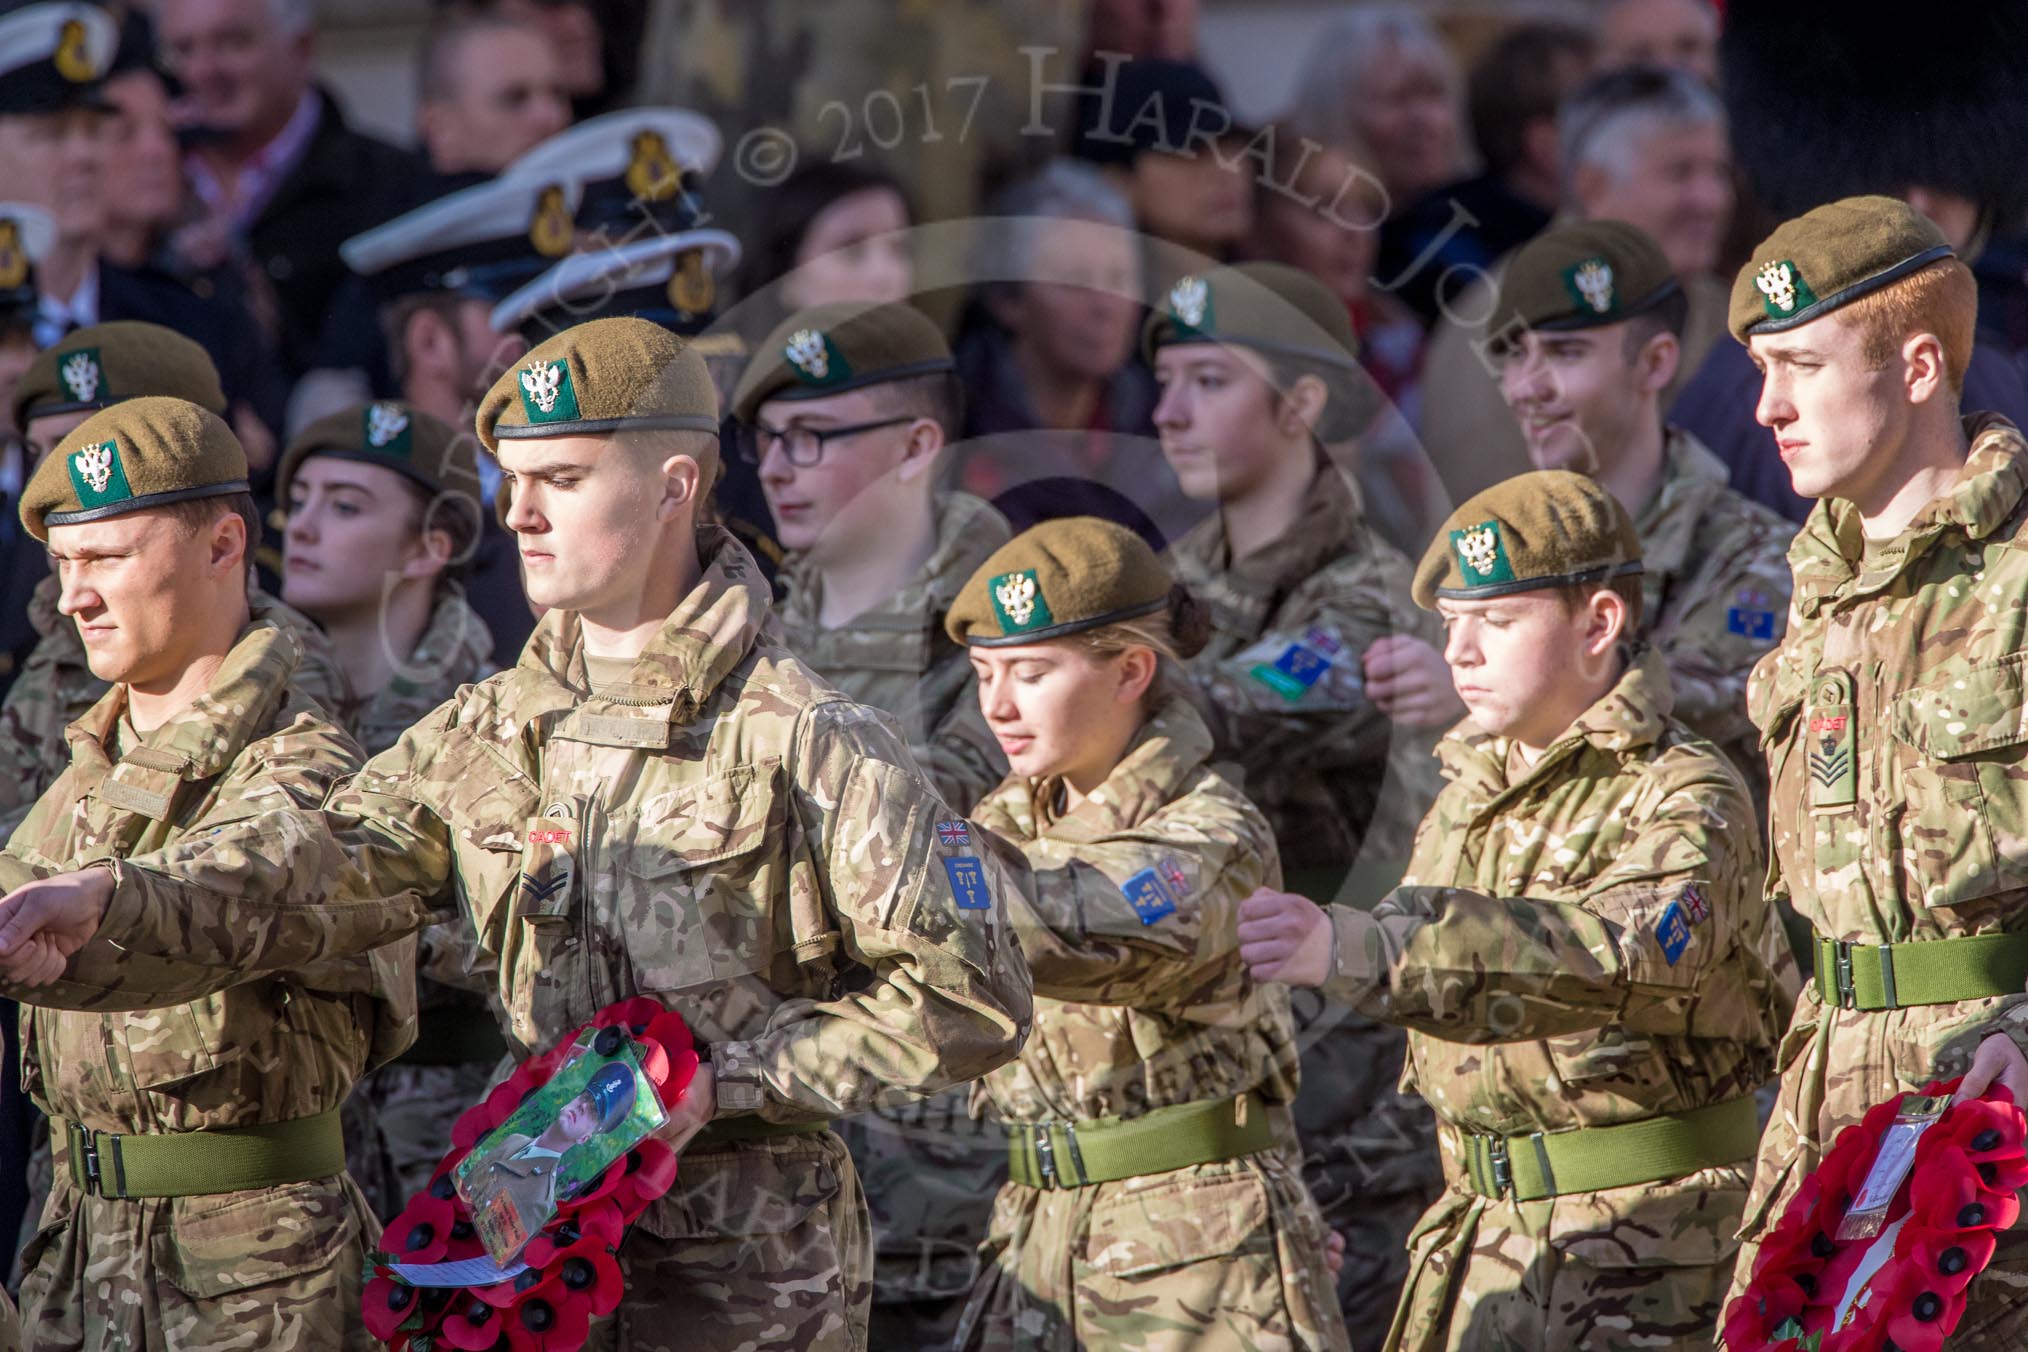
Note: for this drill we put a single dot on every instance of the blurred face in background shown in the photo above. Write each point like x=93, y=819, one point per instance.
x=1163, y=28
x=502, y=93
x=1202, y=200
x=141, y=155
x=842, y=506
x=855, y=249
x=1406, y=113
x=244, y=71
x=1682, y=34
x=1672, y=179
x=56, y=161
x=574, y=36
x=1308, y=224
x=1079, y=310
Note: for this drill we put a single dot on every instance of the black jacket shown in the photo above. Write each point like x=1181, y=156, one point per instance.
x=345, y=182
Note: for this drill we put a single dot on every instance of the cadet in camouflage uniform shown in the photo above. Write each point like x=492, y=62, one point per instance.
x=1586, y=330
x=200, y=1198
x=92, y=369
x=1256, y=364
x=381, y=484
x=845, y=413
x=656, y=800
x=1156, y=1194
x=1891, y=714
x=1593, y=982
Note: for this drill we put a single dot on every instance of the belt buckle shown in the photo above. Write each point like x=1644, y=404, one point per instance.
x=1848, y=990
x=1503, y=1173
x=84, y=1141
x=1045, y=1155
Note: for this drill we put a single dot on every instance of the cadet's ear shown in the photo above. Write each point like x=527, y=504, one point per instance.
x=1607, y=628
x=682, y=486
x=228, y=549
x=1138, y=665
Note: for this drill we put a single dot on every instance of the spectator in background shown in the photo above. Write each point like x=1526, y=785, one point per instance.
x=572, y=31
x=1682, y=34
x=1314, y=210
x=833, y=231
x=1170, y=146
x=1384, y=79
x=1160, y=28
x=1514, y=94
x=53, y=147
x=1643, y=145
x=275, y=158
x=490, y=87
x=1058, y=408
x=150, y=227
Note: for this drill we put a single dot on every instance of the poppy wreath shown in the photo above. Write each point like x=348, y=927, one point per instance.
x=573, y=1271
x=1961, y=1188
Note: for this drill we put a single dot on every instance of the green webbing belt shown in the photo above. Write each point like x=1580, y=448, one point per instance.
x=1589, y=1159
x=1072, y=1154
x=727, y=1130
x=1926, y=972
x=194, y=1163
x=456, y=1035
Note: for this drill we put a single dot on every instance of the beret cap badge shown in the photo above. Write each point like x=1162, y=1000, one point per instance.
x=81, y=374
x=1593, y=279
x=384, y=422
x=807, y=352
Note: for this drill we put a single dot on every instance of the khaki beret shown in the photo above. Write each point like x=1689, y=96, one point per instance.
x=1276, y=310
x=1549, y=528
x=1062, y=577
x=97, y=367
x=140, y=453
x=1829, y=258
x=1584, y=275
x=828, y=349
x=610, y=375
x=394, y=435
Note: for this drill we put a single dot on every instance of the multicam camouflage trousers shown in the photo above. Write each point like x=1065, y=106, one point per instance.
x=1225, y=1257
x=398, y=1122
x=1637, y=1267
x=276, y=1269
x=931, y=1171
x=762, y=1246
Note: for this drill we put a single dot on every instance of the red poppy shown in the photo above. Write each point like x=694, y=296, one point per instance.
x=649, y=1173
x=386, y=1305
x=421, y=1231
x=473, y=1324
x=600, y=1221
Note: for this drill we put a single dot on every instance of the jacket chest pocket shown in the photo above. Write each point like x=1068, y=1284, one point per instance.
x=696, y=880
x=163, y=1047
x=1958, y=827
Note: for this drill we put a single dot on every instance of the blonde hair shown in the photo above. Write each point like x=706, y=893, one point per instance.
x=1942, y=299
x=1176, y=633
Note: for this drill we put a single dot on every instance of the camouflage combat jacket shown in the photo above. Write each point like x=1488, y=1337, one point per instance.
x=1714, y=595
x=1129, y=928
x=1281, y=678
x=721, y=830
x=1894, y=717
x=259, y=1047
x=56, y=686
x=1581, y=945
x=897, y=658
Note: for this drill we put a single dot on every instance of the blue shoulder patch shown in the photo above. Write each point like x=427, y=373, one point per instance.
x=1672, y=932
x=1149, y=895
x=968, y=882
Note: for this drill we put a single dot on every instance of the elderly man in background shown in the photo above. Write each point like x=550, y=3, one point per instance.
x=278, y=159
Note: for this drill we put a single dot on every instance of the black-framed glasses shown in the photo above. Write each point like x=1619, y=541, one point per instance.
x=804, y=445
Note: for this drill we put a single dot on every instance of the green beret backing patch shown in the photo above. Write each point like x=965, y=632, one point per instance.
x=1482, y=554
x=387, y=428
x=546, y=392
x=84, y=375
x=1783, y=290
x=816, y=359
x=98, y=475
x=1019, y=602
